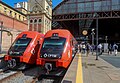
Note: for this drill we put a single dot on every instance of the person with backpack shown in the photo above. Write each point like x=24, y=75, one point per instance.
x=115, y=48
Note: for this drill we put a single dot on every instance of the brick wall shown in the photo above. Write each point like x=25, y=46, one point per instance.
x=12, y=23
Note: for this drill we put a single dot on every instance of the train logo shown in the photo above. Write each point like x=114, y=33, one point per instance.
x=50, y=55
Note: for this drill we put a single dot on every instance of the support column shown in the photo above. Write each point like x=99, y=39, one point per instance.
x=1, y=26
x=79, y=29
x=97, y=39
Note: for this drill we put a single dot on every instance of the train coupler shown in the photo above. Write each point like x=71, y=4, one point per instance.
x=48, y=67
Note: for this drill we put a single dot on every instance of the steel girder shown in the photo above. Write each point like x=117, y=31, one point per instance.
x=90, y=15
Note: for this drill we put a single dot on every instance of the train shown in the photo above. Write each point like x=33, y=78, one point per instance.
x=57, y=50
x=23, y=52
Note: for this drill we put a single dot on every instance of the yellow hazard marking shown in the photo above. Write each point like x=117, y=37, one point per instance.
x=79, y=76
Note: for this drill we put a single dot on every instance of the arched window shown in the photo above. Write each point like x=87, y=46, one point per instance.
x=35, y=21
x=19, y=17
x=31, y=21
x=15, y=15
x=39, y=20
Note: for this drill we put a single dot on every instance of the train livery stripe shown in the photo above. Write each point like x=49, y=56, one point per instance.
x=79, y=76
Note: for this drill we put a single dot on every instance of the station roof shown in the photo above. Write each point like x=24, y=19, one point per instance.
x=85, y=6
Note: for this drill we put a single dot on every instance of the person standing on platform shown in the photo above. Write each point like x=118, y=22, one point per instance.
x=87, y=49
x=110, y=49
x=83, y=48
x=78, y=48
x=92, y=49
x=99, y=48
x=115, y=48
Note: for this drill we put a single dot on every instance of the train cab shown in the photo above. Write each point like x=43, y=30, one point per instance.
x=24, y=50
x=57, y=49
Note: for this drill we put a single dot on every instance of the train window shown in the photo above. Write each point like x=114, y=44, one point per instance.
x=19, y=46
x=54, y=43
x=52, y=47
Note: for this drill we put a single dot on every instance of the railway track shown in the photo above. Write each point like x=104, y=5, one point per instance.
x=8, y=76
x=50, y=79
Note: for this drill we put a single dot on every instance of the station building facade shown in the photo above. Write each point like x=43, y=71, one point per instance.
x=40, y=15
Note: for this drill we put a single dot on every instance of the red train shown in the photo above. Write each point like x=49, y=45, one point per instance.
x=24, y=50
x=57, y=50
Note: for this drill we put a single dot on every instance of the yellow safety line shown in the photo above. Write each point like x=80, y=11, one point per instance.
x=79, y=76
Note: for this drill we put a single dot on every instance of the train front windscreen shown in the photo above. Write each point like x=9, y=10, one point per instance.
x=19, y=46
x=52, y=48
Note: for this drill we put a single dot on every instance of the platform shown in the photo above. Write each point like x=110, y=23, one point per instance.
x=74, y=72
x=88, y=70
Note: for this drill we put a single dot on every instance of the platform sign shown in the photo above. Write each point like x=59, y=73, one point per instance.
x=84, y=32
